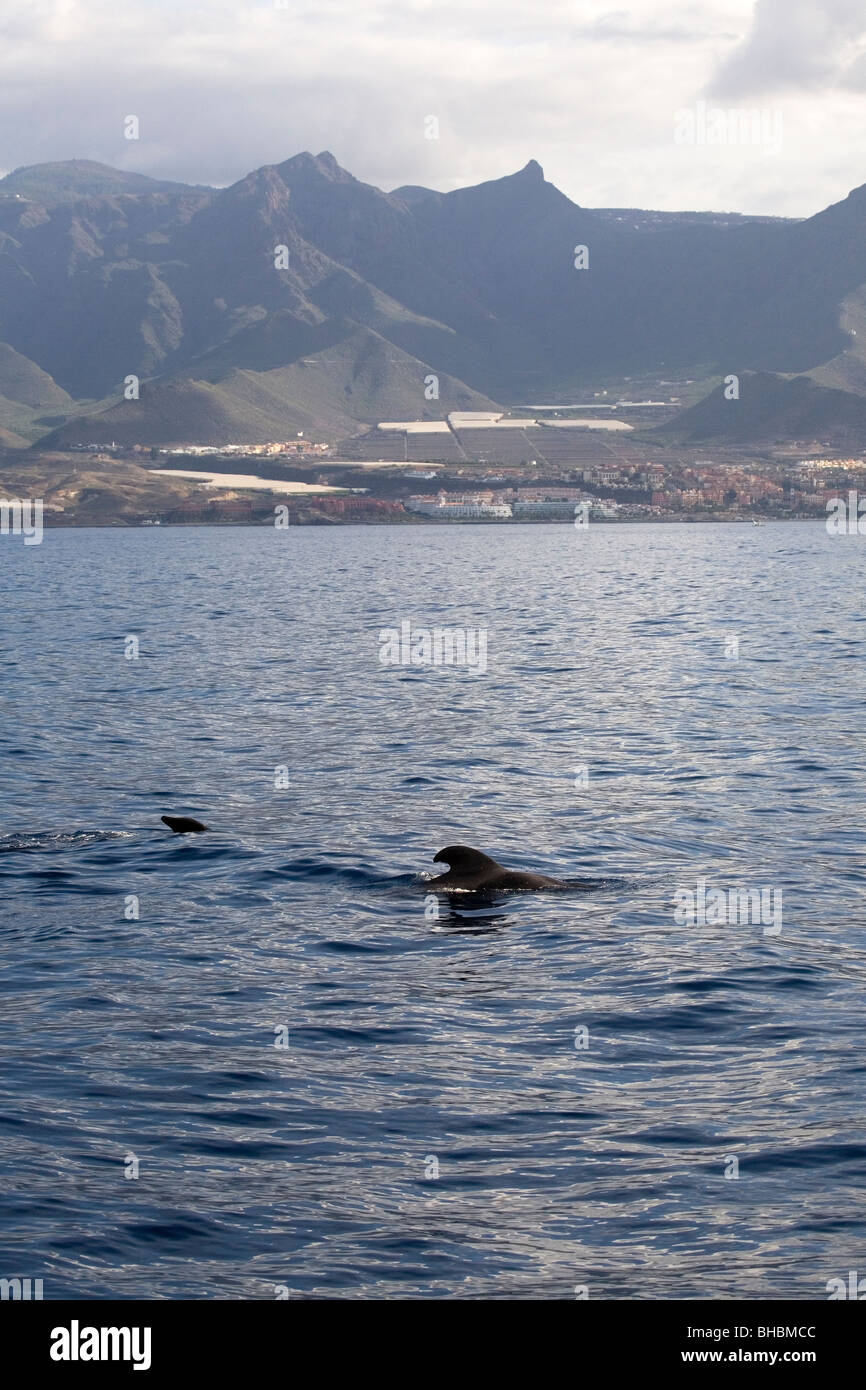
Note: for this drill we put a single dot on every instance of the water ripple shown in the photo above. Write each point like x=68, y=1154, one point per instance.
x=323, y=1079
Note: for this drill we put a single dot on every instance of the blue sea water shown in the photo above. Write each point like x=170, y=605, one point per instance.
x=420, y=1043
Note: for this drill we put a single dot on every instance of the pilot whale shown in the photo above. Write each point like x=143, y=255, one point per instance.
x=471, y=870
x=183, y=825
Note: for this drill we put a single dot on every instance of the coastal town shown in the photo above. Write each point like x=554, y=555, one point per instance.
x=487, y=467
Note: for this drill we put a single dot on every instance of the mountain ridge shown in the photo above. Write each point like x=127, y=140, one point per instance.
x=115, y=276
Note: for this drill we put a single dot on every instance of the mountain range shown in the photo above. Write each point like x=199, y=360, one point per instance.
x=107, y=275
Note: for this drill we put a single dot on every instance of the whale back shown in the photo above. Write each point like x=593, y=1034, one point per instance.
x=471, y=870
x=183, y=825
x=462, y=859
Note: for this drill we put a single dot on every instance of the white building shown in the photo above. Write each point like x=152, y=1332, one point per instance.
x=462, y=511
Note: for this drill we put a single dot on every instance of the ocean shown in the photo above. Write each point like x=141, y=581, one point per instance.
x=268, y=1062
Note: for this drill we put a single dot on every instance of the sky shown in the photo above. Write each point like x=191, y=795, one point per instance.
x=747, y=105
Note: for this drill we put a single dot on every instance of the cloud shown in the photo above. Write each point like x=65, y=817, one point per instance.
x=590, y=92
x=794, y=44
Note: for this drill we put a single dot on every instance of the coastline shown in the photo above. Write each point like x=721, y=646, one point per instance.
x=329, y=522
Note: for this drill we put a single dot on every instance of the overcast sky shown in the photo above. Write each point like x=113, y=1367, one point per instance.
x=595, y=92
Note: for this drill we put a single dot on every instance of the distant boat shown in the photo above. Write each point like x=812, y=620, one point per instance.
x=149, y=523
x=754, y=522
